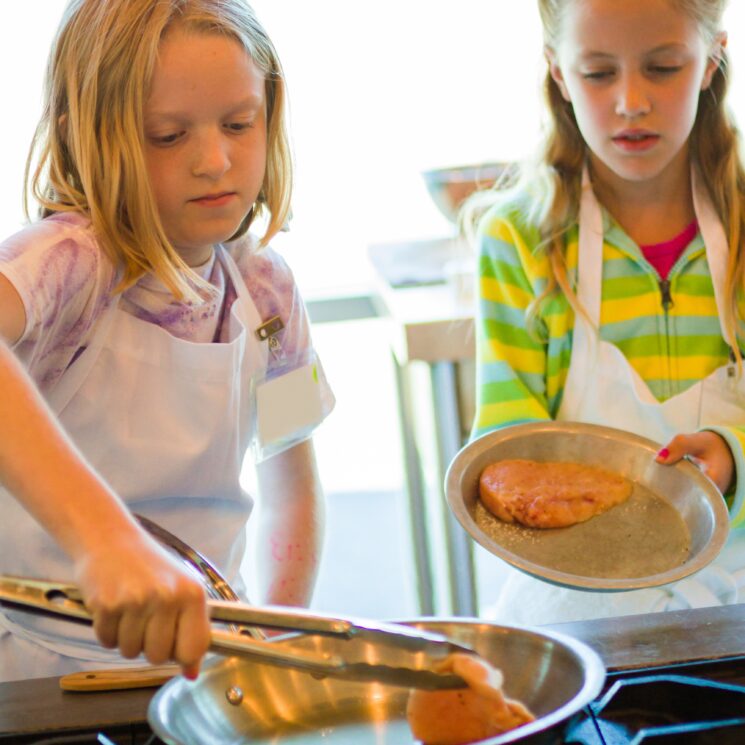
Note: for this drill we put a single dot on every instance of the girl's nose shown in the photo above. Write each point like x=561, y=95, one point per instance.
x=632, y=99
x=211, y=157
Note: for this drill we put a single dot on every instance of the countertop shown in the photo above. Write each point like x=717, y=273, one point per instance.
x=41, y=708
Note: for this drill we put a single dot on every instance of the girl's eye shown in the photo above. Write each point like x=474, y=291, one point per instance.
x=664, y=69
x=167, y=139
x=597, y=74
x=239, y=126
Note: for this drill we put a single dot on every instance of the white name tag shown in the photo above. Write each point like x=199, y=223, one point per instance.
x=289, y=407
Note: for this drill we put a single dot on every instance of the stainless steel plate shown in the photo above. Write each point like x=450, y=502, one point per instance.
x=673, y=525
x=240, y=701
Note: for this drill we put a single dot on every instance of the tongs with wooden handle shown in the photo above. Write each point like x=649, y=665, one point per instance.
x=421, y=649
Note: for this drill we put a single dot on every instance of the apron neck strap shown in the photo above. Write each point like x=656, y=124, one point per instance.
x=590, y=256
x=717, y=247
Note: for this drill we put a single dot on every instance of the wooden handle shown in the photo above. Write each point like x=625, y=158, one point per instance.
x=118, y=679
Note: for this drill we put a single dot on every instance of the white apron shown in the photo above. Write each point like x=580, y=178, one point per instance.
x=603, y=388
x=165, y=421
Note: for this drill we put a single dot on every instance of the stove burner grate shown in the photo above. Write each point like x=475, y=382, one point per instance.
x=662, y=709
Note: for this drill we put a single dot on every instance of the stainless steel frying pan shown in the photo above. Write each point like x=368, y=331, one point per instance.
x=238, y=701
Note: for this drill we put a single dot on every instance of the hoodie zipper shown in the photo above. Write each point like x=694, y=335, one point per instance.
x=667, y=303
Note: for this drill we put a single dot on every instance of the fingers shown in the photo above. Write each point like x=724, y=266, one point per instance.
x=163, y=621
x=677, y=449
x=135, y=626
x=106, y=627
x=132, y=633
x=192, y=636
x=707, y=450
x=159, y=634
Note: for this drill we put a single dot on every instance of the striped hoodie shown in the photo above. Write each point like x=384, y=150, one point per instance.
x=668, y=330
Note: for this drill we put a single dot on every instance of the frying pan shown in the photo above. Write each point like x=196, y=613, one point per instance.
x=239, y=701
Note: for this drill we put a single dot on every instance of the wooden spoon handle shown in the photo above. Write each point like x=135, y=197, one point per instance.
x=118, y=679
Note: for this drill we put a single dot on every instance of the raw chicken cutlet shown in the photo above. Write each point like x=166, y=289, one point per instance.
x=464, y=715
x=549, y=495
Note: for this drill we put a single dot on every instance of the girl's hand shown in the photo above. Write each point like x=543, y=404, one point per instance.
x=708, y=451
x=143, y=601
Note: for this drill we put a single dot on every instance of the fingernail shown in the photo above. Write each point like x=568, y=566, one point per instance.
x=663, y=453
x=191, y=673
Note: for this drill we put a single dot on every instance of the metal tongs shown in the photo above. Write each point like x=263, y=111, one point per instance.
x=398, y=654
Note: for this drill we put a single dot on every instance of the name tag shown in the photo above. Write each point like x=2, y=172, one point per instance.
x=289, y=407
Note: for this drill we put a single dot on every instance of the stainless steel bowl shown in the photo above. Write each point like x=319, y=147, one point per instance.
x=673, y=525
x=240, y=701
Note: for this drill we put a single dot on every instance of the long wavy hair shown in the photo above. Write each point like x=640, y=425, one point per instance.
x=556, y=174
x=87, y=154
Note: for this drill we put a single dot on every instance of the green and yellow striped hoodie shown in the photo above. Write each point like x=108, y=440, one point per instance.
x=668, y=330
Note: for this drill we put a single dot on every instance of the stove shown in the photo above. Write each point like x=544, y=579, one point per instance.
x=695, y=704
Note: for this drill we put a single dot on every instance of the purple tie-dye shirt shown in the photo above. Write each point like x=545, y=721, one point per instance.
x=66, y=282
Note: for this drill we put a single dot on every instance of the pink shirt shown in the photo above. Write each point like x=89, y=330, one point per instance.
x=662, y=256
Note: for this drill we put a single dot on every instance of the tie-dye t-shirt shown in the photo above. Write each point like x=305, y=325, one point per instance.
x=66, y=282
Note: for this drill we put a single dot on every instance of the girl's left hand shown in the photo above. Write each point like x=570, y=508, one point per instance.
x=708, y=451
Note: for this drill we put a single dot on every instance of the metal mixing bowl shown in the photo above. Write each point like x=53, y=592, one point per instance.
x=450, y=187
x=673, y=525
x=240, y=701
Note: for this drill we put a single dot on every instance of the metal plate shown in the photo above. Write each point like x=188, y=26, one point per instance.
x=241, y=701
x=673, y=525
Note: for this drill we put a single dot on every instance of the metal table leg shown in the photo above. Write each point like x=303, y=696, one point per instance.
x=448, y=432
x=416, y=495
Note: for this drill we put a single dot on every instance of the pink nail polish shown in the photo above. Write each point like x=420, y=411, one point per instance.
x=663, y=453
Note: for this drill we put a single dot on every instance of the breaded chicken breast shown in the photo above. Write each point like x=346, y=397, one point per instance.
x=464, y=715
x=550, y=495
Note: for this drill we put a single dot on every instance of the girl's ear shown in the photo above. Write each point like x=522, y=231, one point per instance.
x=555, y=72
x=714, y=61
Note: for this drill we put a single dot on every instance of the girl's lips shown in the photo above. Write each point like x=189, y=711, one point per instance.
x=218, y=200
x=636, y=142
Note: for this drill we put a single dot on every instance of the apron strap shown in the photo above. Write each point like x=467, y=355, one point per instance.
x=251, y=317
x=717, y=246
x=590, y=252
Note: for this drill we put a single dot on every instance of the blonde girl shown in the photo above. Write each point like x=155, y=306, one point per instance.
x=146, y=310
x=611, y=274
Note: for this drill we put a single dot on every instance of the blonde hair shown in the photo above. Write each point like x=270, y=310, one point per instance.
x=555, y=177
x=88, y=146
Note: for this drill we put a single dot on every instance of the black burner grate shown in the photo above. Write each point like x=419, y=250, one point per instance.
x=662, y=709
x=130, y=735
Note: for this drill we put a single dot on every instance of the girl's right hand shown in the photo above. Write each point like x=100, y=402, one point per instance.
x=143, y=601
